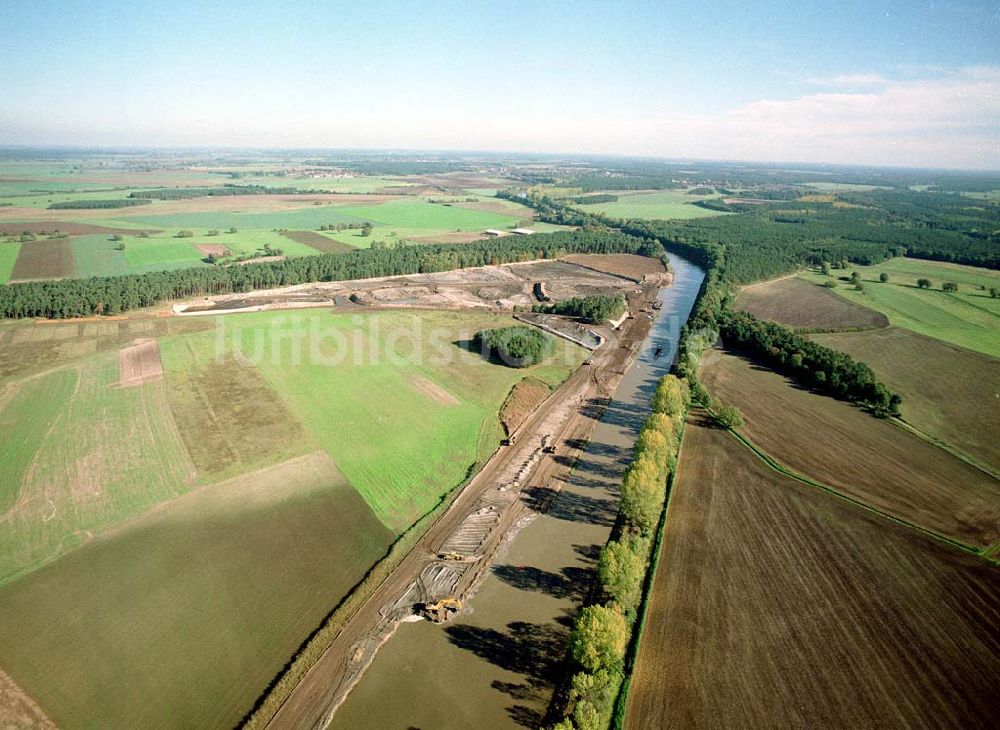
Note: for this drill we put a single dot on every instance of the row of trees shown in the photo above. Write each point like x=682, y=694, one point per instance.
x=596, y=309
x=225, y=190
x=115, y=294
x=603, y=630
x=95, y=204
x=819, y=367
x=594, y=199
x=516, y=347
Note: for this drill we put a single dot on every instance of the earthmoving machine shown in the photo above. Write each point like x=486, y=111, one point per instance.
x=439, y=611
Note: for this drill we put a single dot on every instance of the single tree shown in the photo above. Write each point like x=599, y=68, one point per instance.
x=621, y=569
x=599, y=637
x=924, y=283
x=729, y=417
x=883, y=277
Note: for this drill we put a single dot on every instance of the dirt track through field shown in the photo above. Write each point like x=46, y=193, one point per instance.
x=18, y=709
x=777, y=604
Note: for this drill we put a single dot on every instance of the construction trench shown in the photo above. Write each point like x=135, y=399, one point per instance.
x=441, y=574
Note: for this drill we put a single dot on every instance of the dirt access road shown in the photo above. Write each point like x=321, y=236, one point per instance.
x=475, y=526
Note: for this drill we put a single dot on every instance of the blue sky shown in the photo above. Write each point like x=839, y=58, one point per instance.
x=908, y=83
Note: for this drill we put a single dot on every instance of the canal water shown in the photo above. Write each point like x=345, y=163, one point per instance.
x=496, y=665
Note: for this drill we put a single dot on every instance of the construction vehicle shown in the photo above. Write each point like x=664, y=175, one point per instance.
x=439, y=611
x=452, y=556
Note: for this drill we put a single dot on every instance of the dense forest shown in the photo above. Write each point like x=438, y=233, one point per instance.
x=115, y=294
x=96, y=204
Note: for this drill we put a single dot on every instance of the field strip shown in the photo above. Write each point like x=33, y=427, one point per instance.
x=945, y=446
x=779, y=467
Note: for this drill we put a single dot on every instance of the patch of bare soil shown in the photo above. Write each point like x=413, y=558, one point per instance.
x=433, y=391
x=521, y=402
x=496, y=206
x=44, y=260
x=625, y=265
x=18, y=710
x=318, y=241
x=452, y=237
x=212, y=248
x=139, y=363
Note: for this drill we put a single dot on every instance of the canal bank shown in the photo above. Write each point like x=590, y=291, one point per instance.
x=497, y=663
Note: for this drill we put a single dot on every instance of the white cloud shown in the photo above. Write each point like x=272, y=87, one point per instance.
x=939, y=120
x=951, y=121
x=851, y=81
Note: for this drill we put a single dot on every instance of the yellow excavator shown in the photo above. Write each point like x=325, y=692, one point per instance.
x=439, y=611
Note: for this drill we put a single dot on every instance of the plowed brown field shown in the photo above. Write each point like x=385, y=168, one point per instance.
x=800, y=304
x=779, y=605
x=870, y=459
x=44, y=260
x=948, y=391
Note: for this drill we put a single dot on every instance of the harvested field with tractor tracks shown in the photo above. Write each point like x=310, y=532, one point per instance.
x=777, y=604
x=867, y=458
x=804, y=305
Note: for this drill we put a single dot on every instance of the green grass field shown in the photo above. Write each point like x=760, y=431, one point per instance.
x=166, y=547
x=659, y=204
x=28, y=411
x=84, y=455
x=8, y=255
x=182, y=617
x=404, y=448
x=968, y=318
x=418, y=213
x=98, y=255
x=414, y=213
